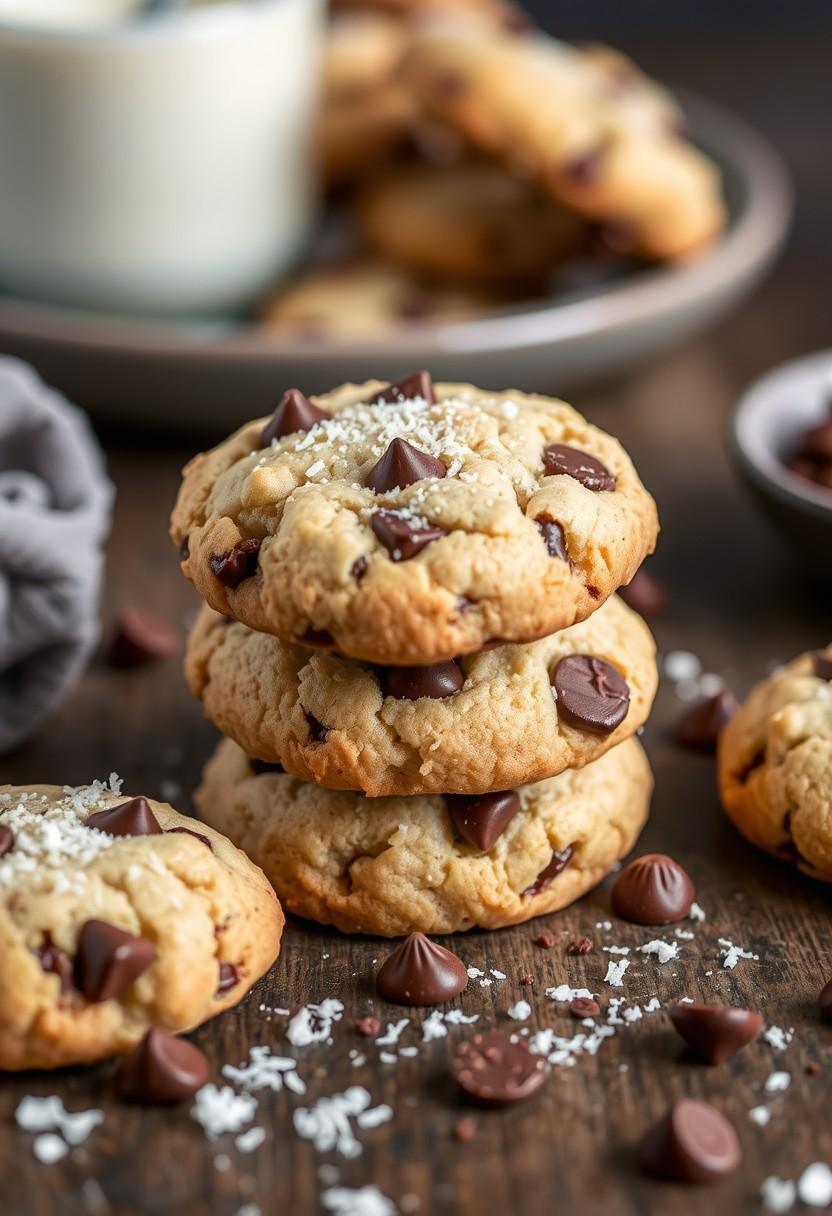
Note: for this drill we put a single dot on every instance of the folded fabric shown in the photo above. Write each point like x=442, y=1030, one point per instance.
x=55, y=502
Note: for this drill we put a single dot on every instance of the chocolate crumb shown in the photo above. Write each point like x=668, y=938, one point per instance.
x=528, y=980
x=580, y=945
x=544, y=939
x=369, y=1027
x=584, y=1007
x=813, y=1069
x=465, y=1130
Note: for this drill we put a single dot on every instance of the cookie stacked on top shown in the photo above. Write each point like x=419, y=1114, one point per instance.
x=411, y=642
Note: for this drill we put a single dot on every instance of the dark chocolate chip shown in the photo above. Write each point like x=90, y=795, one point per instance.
x=591, y=694
x=560, y=860
x=714, y=1033
x=369, y=1027
x=161, y=1070
x=401, y=538
x=295, y=413
x=6, y=839
x=133, y=818
x=420, y=972
x=497, y=1068
x=184, y=548
x=644, y=594
x=142, y=637
x=560, y=459
x=584, y=1007
x=359, y=568
x=822, y=665
x=481, y=819
x=554, y=537
x=580, y=945
x=756, y=761
x=592, y=591
x=264, y=766
x=546, y=939
x=237, y=564
x=653, y=890
x=436, y=682
x=56, y=962
x=320, y=638
x=825, y=1002
x=418, y=385
x=318, y=733
x=229, y=977
x=700, y=726
x=108, y=960
x=190, y=832
x=692, y=1143
x=403, y=465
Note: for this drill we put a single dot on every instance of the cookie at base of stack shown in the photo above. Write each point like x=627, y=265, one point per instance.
x=392, y=866
x=118, y=915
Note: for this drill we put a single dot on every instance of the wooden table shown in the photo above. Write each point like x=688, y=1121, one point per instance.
x=737, y=603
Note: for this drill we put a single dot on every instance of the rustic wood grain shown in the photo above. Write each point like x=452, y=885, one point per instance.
x=739, y=604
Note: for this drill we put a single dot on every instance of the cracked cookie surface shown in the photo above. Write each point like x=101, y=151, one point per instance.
x=333, y=720
x=103, y=936
x=391, y=866
x=520, y=520
x=775, y=764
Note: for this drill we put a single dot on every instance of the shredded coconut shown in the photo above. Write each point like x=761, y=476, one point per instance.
x=778, y=1038
x=393, y=1033
x=313, y=1023
x=250, y=1140
x=759, y=1115
x=221, y=1110
x=778, y=1195
x=265, y=1071
x=366, y=1201
x=615, y=973
x=732, y=954
x=564, y=993
x=47, y=1115
x=520, y=1012
x=664, y=951
x=814, y=1185
x=778, y=1082
x=696, y=912
x=327, y=1123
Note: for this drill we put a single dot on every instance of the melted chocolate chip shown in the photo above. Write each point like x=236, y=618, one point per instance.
x=417, y=386
x=237, y=564
x=6, y=839
x=359, y=568
x=481, y=819
x=295, y=413
x=420, y=972
x=591, y=694
x=108, y=960
x=644, y=594
x=560, y=459
x=822, y=665
x=401, y=538
x=229, y=977
x=715, y=1032
x=142, y=637
x=161, y=1070
x=692, y=1143
x=497, y=1068
x=133, y=818
x=653, y=890
x=700, y=727
x=410, y=683
x=560, y=860
x=403, y=465
x=554, y=537
x=190, y=832
x=55, y=961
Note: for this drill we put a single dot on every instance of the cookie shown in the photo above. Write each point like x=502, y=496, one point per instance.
x=392, y=866
x=775, y=764
x=517, y=518
x=488, y=722
x=498, y=14
x=362, y=52
x=586, y=126
x=470, y=221
x=367, y=299
x=117, y=915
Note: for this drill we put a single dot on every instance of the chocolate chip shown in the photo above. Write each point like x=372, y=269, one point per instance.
x=715, y=1032
x=692, y=1143
x=403, y=465
x=822, y=665
x=583, y=170
x=420, y=972
x=418, y=385
x=161, y=1070
x=584, y=1007
x=359, y=568
x=496, y=1068
x=560, y=860
x=813, y=1069
x=756, y=761
x=528, y=980
x=825, y=1003
x=465, y=1130
x=558, y=458
x=544, y=939
x=700, y=726
x=55, y=961
x=184, y=548
x=592, y=591
x=436, y=682
x=401, y=538
x=142, y=637
x=264, y=766
x=318, y=733
x=108, y=960
x=580, y=945
x=237, y=564
x=592, y=694
x=190, y=832
x=6, y=839
x=369, y=1027
x=554, y=537
x=133, y=818
x=295, y=413
x=481, y=819
x=644, y=594
x=653, y=890
x=229, y=977
x=320, y=638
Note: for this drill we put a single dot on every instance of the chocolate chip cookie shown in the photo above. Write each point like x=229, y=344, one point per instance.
x=118, y=914
x=409, y=524
x=391, y=866
x=775, y=764
x=504, y=717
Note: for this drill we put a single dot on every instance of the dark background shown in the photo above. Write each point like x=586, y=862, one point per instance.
x=708, y=20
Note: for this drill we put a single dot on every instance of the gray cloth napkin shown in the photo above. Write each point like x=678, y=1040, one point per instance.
x=55, y=503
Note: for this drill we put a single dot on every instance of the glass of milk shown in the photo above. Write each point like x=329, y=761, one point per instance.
x=155, y=164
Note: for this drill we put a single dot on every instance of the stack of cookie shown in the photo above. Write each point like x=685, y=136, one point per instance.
x=411, y=640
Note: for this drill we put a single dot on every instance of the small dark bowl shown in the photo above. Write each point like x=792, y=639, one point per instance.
x=765, y=431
